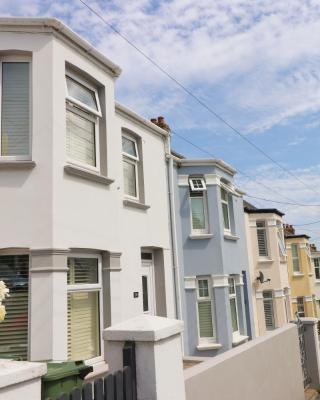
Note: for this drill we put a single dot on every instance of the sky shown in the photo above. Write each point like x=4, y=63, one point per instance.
x=255, y=63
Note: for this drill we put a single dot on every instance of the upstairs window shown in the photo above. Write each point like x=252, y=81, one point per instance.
x=226, y=201
x=233, y=306
x=262, y=239
x=317, y=268
x=268, y=310
x=295, y=257
x=83, y=112
x=131, y=162
x=15, y=109
x=281, y=242
x=300, y=307
x=198, y=206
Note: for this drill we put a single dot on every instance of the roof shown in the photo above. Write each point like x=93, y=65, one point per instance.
x=58, y=27
x=254, y=210
x=302, y=235
x=186, y=162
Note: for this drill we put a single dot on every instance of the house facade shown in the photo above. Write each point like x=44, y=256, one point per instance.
x=268, y=269
x=84, y=239
x=212, y=262
x=301, y=273
x=315, y=262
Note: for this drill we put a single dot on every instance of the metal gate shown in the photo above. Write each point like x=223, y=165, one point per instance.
x=303, y=354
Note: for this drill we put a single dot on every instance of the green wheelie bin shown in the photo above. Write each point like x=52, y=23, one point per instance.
x=62, y=378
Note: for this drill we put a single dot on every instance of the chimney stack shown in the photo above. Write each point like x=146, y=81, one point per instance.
x=289, y=230
x=161, y=122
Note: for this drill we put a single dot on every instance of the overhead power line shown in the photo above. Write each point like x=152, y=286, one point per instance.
x=196, y=98
x=284, y=202
x=309, y=223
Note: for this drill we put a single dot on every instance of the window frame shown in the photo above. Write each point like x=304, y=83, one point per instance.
x=91, y=287
x=281, y=240
x=296, y=257
x=204, y=198
x=316, y=260
x=265, y=229
x=209, y=298
x=231, y=297
x=133, y=160
x=301, y=304
x=269, y=299
x=17, y=59
x=82, y=110
x=197, y=189
x=227, y=203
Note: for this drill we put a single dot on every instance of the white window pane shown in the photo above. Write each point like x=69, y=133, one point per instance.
x=82, y=270
x=262, y=239
x=234, y=315
x=205, y=319
x=198, y=213
x=226, y=220
x=81, y=93
x=268, y=310
x=80, y=139
x=15, y=109
x=129, y=147
x=130, y=184
x=83, y=325
x=203, y=288
x=295, y=257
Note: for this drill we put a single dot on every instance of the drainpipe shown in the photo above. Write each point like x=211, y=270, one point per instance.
x=173, y=229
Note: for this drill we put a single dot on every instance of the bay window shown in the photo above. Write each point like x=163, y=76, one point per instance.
x=206, y=317
x=82, y=121
x=225, y=203
x=198, y=206
x=295, y=258
x=262, y=239
x=15, y=132
x=268, y=310
x=317, y=268
x=281, y=242
x=84, y=307
x=14, y=271
x=130, y=166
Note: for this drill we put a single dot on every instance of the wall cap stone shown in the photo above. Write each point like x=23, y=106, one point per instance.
x=144, y=328
x=13, y=372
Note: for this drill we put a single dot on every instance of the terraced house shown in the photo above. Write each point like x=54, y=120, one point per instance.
x=212, y=261
x=83, y=184
x=268, y=268
x=301, y=273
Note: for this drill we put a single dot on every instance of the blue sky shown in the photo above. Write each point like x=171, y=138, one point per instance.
x=255, y=63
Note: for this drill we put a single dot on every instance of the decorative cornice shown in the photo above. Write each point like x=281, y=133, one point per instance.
x=48, y=252
x=238, y=280
x=259, y=294
x=220, y=281
x=308, y=298
x=278, y=293
x=212, y=179
x=271, y=222
x=190, y=282
x=183, y=180
x=115, y=262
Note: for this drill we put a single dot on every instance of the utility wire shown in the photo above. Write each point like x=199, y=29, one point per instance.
x=283, y=202
x=195, y=97
x=309, y=223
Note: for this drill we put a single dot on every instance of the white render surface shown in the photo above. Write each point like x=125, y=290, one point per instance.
x=158, y=361
x=58, y=214
x=272, y=370
x=144, y=328
x=20, y=379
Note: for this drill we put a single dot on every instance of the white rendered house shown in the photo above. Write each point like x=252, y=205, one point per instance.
x=84, y=238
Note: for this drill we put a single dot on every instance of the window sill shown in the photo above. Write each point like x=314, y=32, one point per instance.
x=90, y=176
x=229, y=236
x=239, y=339
x=265, y=260
x=209, y=346
x=135, y=204
x=17, y=164
x=297, y=274
x=196, y=236
x=317, y=281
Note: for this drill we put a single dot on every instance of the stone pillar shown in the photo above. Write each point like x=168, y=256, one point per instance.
x=112, y=287
x=158, y=355
x=48, y=305
x=312, y=349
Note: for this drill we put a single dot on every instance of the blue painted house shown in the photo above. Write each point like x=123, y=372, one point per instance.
x=212, y=261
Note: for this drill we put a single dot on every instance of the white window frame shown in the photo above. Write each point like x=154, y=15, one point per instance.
x=265, y=229
x=269, y=299
x=234, y=296
x=205, y=230
x=134, y=160
x=77, y=107
x=213, y=339
x=298, y=258
x=316, y=260
x=227, y=203
x=17, y=59
x=195, y=188
x=301, y=304
x=92, y=287
x=281, y=241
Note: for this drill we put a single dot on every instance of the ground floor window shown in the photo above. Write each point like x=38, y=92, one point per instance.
x=84, y=292
x=268, y=310
x=233, y=306
x=14, y=271
x=300, y=307
x=205, y=308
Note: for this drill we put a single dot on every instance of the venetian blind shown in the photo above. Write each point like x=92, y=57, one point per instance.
x=81, y=139
x=262, y=239
x=14, y=271
x=198, y=210
x=268, y=310
x=15, y=109
x=205, y=319
x=295, y=257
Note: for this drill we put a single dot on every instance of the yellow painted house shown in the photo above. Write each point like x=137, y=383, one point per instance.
x=301, y=273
